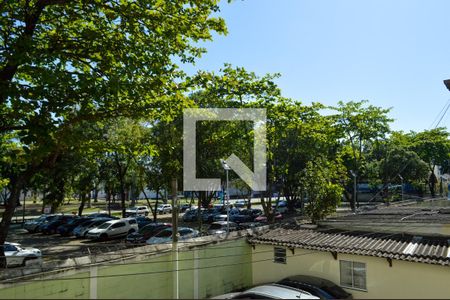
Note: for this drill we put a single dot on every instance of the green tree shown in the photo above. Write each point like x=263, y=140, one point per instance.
x=64, y=62
x=393, y=158
x=433, y=147
x=360, y=125
x=322, y=183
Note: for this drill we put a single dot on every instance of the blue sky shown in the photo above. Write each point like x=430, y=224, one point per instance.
x=394, y=53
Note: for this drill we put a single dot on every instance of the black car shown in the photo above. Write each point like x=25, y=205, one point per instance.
x=50, y=228
x=34, y=225
x=184, y=207
x=246, y=215
x=209, y=214
x=143, y=221
x=322, y=288
x=67, y=228
x=146, y=232
x=190, y=215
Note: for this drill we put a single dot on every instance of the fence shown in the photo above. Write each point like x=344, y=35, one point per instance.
x=202, y=271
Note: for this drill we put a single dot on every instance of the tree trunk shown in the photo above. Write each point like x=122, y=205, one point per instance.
x=82, y=202
x=10, y=206
x=95, y=194
x=89, y=204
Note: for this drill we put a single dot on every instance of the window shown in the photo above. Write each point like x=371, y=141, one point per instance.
x=118, y=225
x=353, y=274
x=279, y=255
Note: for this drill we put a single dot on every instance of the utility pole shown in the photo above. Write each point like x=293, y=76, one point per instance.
x=354, y=190
x=401, y=178
x=227, y=168
x=174, y=186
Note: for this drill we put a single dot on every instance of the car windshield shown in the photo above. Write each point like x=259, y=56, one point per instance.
x=87, y=224
x=41, y=218
x=74, y=221
x=104, y=225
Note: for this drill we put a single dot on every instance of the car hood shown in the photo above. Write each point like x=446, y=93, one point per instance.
x=29, y=251
x=135, y=235
x=225, y=296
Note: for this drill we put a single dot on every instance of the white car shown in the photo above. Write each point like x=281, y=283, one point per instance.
x=269, y=291
x=165, y=236
x=18, y=256
x=141, y=210
x=113, y=228
x=164, y=208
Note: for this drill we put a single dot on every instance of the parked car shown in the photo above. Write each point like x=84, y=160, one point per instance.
x=322, y=288
x=165, y=236
x=81, y=230
x=113, y=228
x=33, y=225
x=240, y=203
x=141, y=210
x=51, y=227
x=143, y=221
x=184, y=207
x=146, y=232
x=263, y=218
x=269, y=291
x=282, y=206
x=246, y=215
x=221, y=227
x=209, y=214
x=190, y=215
x=67, y=228
x=164, y=208
x=223, y=216
x=16, y=255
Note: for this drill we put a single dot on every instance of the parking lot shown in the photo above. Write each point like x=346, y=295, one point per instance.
x=57, y=247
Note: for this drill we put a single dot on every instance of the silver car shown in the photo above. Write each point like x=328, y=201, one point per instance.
x=269, y=291
x=165, y=236
x=221, y=227
x=16, y=255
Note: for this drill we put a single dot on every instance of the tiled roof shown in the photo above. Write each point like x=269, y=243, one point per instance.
x=393, y=246
x=400, y=215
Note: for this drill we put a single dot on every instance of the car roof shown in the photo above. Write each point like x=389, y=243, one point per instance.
x=14, y=244
x=223, y=223
x=319, y=282
x=280, y=292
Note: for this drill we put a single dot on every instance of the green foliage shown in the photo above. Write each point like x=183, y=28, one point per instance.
x=360, y=125
x=322, y=185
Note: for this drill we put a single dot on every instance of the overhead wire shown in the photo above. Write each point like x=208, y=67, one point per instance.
x=21, y=279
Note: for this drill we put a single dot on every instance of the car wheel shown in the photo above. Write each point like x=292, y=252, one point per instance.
x=103, y=236
x=130, y=231
x=24, y=262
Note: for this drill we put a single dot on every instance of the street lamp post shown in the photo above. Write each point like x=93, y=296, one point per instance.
x=227, y=195
x=401, y=178
x=354, y=190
